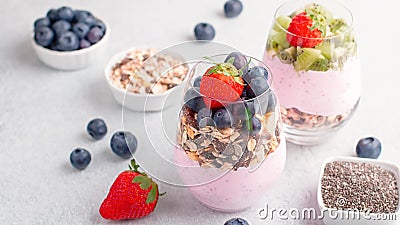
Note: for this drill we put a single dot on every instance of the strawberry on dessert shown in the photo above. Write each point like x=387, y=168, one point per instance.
x=222, y=82
x=304, y=31
x=132, y=195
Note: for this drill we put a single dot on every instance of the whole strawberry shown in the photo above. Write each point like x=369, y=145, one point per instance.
x=132, y=195
x=221, y=83
x=306, y=29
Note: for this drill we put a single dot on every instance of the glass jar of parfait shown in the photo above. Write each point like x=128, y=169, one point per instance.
x=312, y=52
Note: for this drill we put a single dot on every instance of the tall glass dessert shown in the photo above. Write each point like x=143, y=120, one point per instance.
x=230, y=144
x=312, y=52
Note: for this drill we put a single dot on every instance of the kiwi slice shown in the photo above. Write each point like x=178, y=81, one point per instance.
x=306, y=57
x=326, y=48
x=280, y=39
x=288, y=55
x=321, y=64
x=320, y=10
x=338, y=26
x=283, y=22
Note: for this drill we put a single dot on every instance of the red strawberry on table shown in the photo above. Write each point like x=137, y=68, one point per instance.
x=132, y=195
x=221, y=83
x=306, y=29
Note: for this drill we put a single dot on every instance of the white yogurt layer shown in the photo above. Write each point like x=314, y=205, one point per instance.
x=323, y=93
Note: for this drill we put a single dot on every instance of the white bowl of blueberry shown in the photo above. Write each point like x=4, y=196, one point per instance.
x=68, y=39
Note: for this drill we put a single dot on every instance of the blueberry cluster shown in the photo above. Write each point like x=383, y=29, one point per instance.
x=244, y=109
x=65, y=29
x=123, y=144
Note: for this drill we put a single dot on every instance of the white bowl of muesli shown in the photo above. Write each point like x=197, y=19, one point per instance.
x=143, y=79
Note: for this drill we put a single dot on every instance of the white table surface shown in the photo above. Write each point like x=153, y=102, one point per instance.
x=44, y=112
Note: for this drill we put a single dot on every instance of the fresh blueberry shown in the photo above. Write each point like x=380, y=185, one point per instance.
x=83, y=43
x=80, y=29
x=241, y=109
x=42, y=22
x=68, y=41
x=256, y=125
x=65, y=13
x=44, y=36
x=236, y=221
x=193, y=99
x=256, y=87
x=369, y=147
x=97, y=128
x=61, y=26
x=222, y=118
x=203, y=113
x=100, y=25
x=80, y=158
x=123, y=144
x=85, y=17
x=271, y=101
x=94, y=35
x=52, y=15
x=197, y=81
x=240, y=61
x=257, y=71
x=204, y=31
x=233, y=8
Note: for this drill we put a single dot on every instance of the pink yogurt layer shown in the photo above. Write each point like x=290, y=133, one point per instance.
x=231, y=191
x=323, y=93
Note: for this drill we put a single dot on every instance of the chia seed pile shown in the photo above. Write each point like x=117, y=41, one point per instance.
x=359, y=186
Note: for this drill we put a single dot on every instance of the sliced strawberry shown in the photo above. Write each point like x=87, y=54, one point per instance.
x=221, y=83
x=304, y=31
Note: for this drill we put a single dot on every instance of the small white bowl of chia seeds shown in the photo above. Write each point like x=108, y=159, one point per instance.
x=359, y=191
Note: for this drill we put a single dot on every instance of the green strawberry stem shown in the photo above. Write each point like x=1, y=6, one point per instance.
x=145, y=182
x=248, y=120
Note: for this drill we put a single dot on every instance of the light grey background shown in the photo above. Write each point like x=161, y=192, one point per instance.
x=44, y=112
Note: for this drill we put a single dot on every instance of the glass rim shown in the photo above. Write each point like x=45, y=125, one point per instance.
x=350, y=24
x=224, y=102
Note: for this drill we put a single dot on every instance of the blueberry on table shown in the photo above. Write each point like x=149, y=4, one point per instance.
x=197, y=81
x=193, y=99
x=97, y=128
x=68, y=41
x=83, y=43
x=42, y=22
x=123, y=144
x=65, y=13
x=80, y=29
x=236, y=221
x=222, y=118
x=204, y=31
x=233, y=8
x=84, y=16
x=94, y=35
x=80, y=158
x=256, y=87
x=44, y=36
x=369, y=147
x=240, y=61
x=52, y=15
x=257, y=71
x=61, y=26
